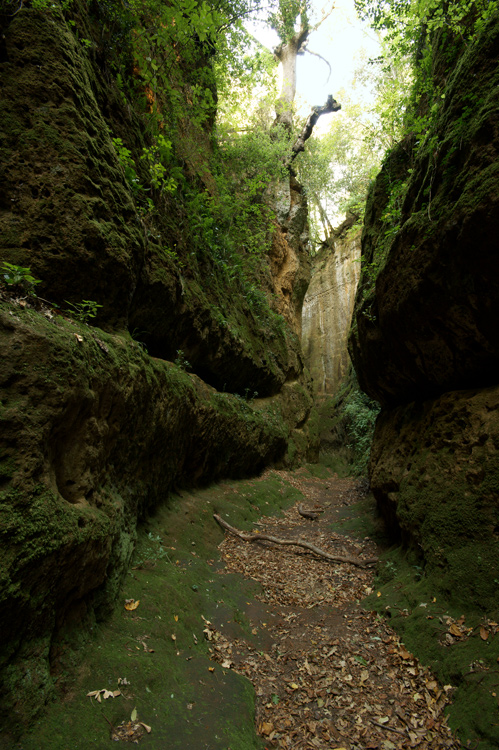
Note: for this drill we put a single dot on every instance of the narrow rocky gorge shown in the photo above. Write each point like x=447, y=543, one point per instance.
x=160, y=365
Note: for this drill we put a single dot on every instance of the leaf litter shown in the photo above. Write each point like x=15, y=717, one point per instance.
x=327, y=673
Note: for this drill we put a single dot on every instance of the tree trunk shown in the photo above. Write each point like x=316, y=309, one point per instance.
x=287, y=53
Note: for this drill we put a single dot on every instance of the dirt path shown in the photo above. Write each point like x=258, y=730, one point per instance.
x=327, y=674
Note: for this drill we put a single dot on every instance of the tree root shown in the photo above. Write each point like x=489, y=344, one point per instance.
x=298, y=543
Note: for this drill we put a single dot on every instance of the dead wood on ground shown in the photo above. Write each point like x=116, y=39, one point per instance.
x=296, y=542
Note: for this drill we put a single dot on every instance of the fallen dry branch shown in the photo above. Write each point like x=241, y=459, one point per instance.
x=387, y=728
x=313, y=515
x=296, y=543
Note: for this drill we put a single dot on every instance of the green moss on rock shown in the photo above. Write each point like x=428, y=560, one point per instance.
x=96, y=434
x=434, y=474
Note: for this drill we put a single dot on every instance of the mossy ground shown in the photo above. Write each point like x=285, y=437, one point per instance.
x=413, y=603
x=418, y=612
x=172, y=687
x=175, y=577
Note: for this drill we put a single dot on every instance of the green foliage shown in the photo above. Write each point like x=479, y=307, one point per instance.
x=337, y=168
x=408, y=25
x=19, y=276
x=390, y=219
x=283, y=19
x=127, y=162
x=181, y=361
x=51, y=4
x=347, y=426
x=413, y=32
x=183, y=52
x=173, y=44
x=84, y=310
x=250, y=159
x=360, y=413
x=157, y=157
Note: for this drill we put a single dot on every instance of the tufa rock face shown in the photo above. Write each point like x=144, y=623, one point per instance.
x=95, y=429
x=327, y=312
x=429, y=321
x=435, y=474
x=68, y=212
x=424, y=340
x=95, y=433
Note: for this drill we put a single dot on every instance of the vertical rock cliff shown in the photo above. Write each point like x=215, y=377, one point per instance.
x=424, y=341
x=195, y=371
x=328, y=308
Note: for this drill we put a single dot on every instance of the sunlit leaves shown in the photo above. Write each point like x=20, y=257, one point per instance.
x=283, y=20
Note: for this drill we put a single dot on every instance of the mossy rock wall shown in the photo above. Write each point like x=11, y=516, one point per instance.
x=424, y=338
x=426, y=317
x=96, y=428
x=435, y=475
x=94, y=434
x=68, y=212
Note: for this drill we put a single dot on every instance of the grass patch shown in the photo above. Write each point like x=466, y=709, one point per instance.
x=337, y=463
x=360, y=520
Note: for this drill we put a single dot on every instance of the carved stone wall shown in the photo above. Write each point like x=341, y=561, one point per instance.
x=327, y=312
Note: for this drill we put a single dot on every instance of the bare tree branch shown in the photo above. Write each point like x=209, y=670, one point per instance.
x=299, y=145
x=316, y=54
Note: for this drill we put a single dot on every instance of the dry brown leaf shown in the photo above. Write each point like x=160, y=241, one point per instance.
x=302, y=649
x=266, y=727
x=484, y=634
x=131, y=604
x=146, y=727
x=103, y=693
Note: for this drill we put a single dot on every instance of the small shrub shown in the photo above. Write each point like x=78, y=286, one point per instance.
x=84, y=310
x=360, y=413
x=19, y=276
x=181, y=361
